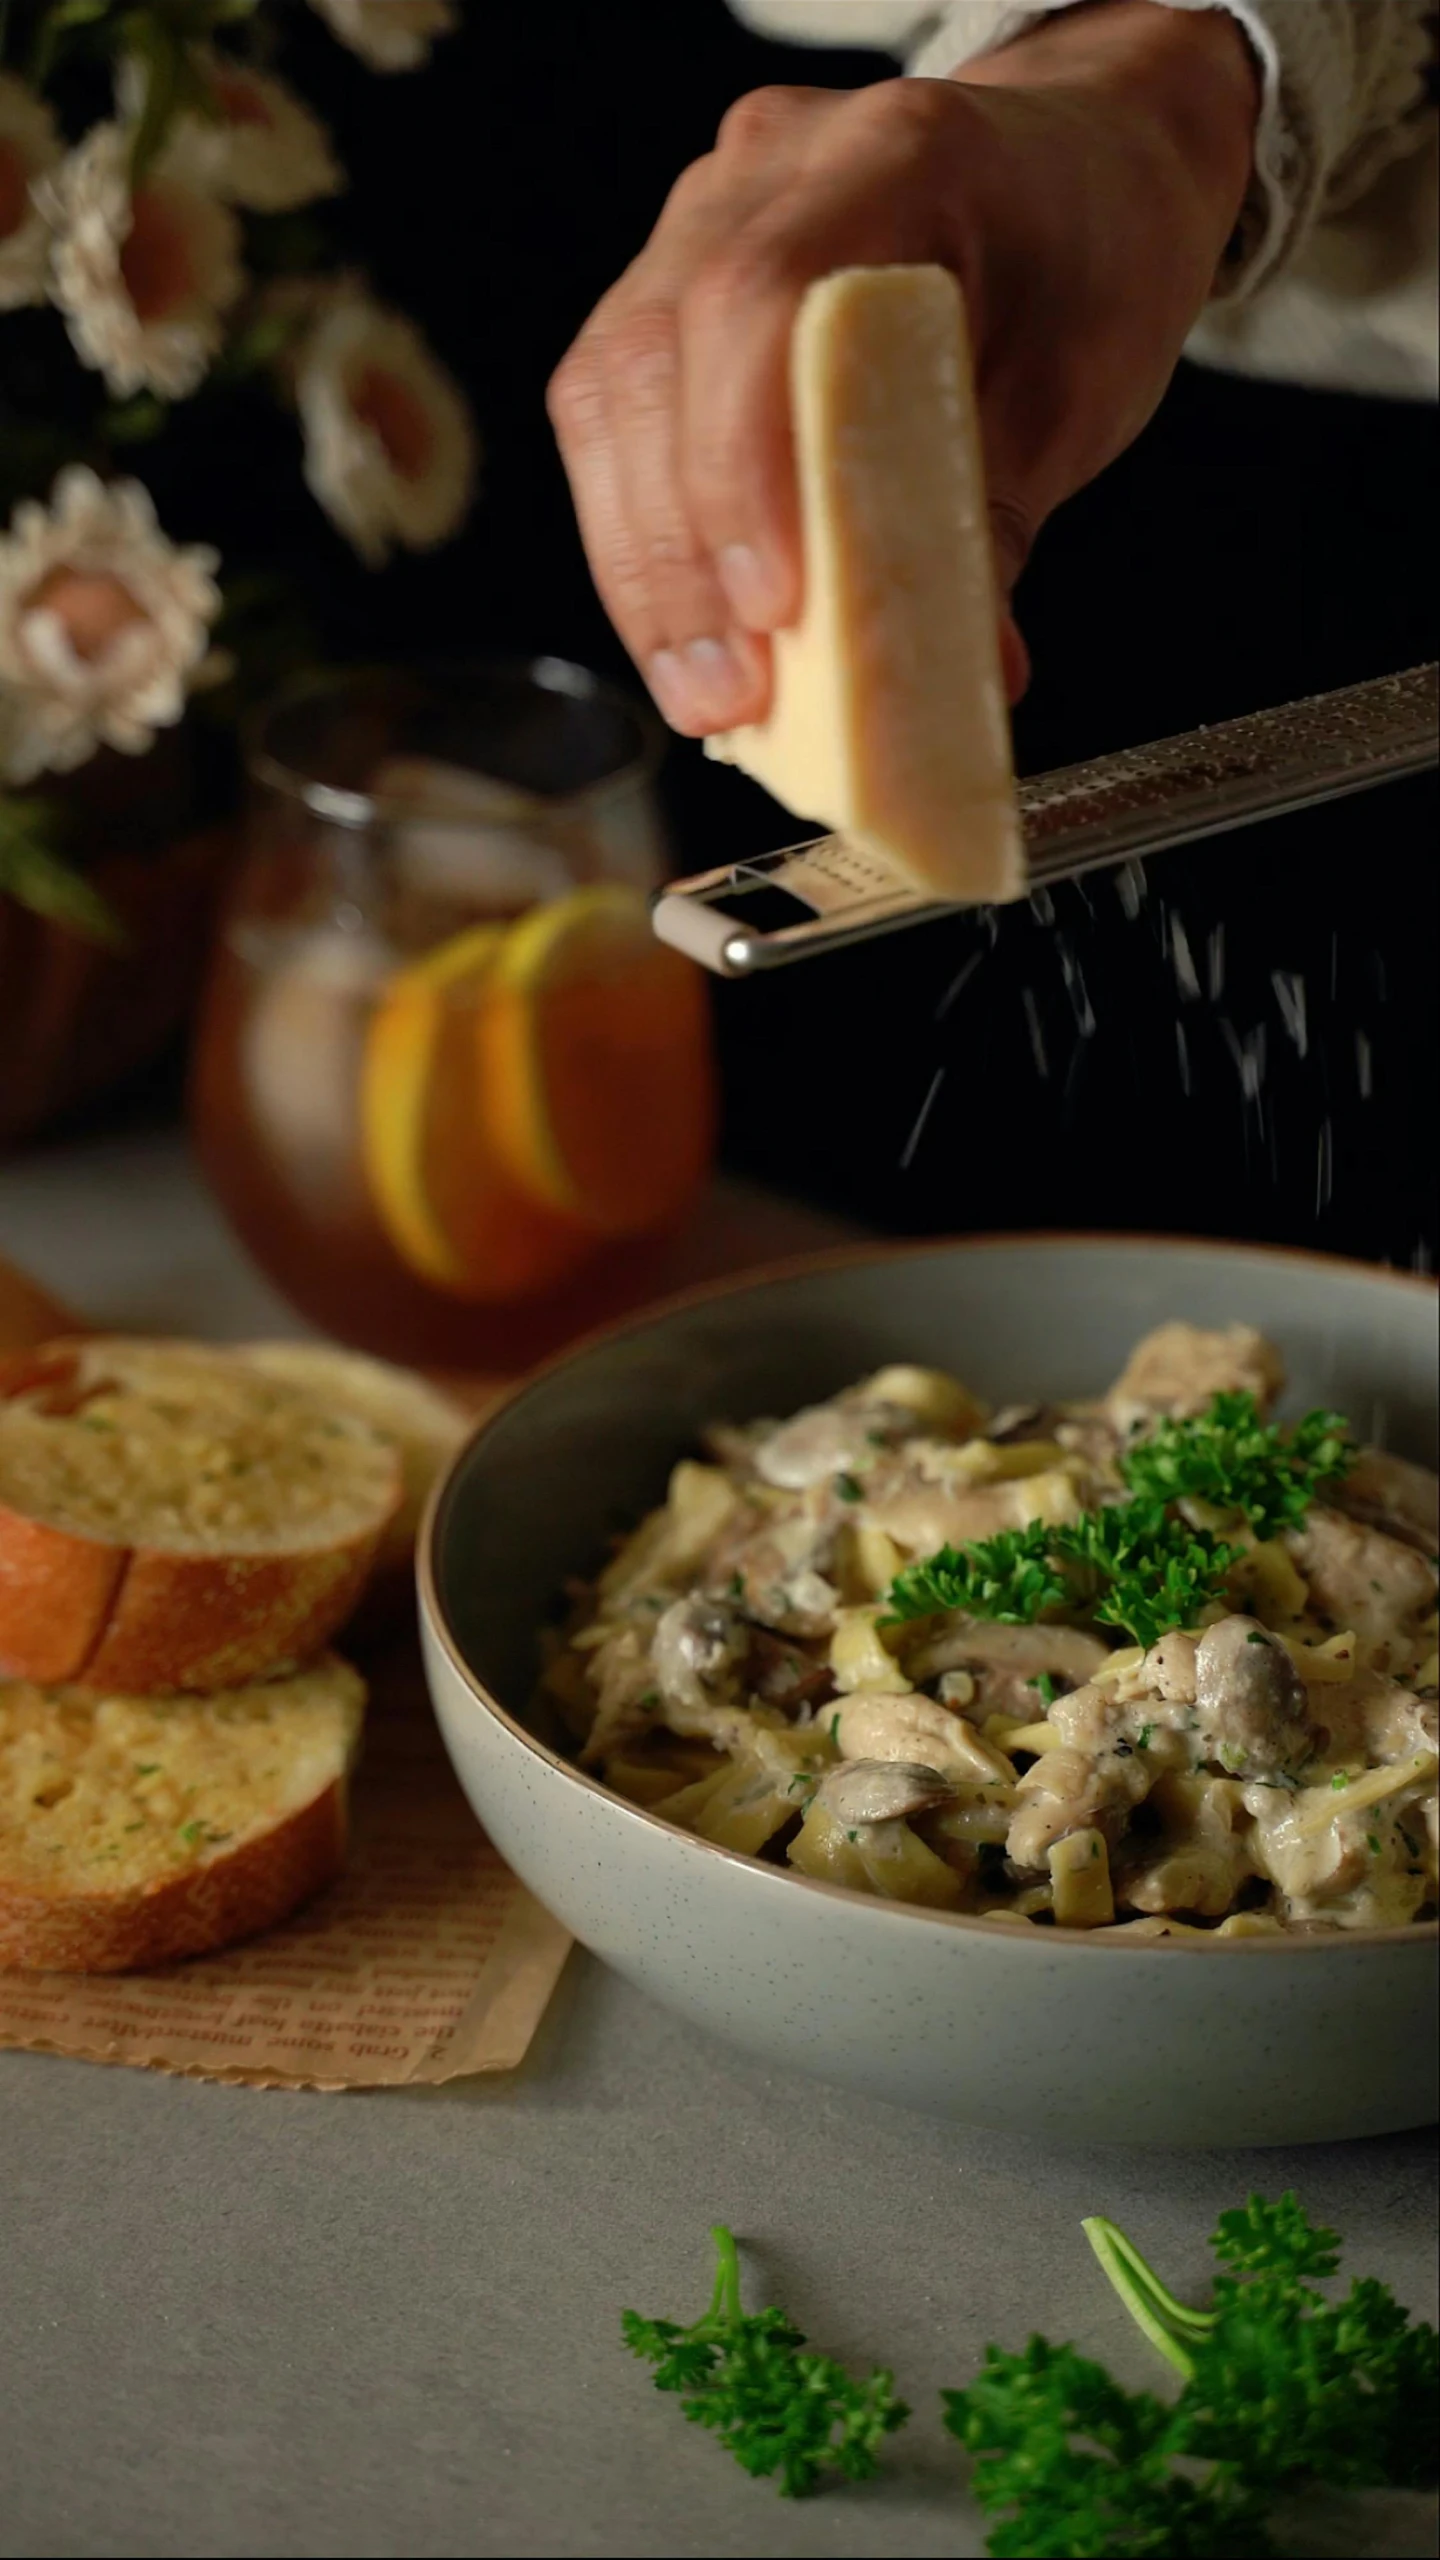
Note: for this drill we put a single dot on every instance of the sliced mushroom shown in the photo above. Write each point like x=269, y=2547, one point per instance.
x=784, y=1676
x=864, y=1791
x=698, y=1648
x=1250, y=1700
x=1006, y=1662
x=775, y=1569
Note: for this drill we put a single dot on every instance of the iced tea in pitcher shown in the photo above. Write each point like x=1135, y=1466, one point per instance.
x=449, y=1089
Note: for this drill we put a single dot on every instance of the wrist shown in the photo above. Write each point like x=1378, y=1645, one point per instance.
x=1188, y=75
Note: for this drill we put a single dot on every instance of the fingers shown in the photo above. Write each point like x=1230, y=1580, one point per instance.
x=673, y=408
x=847, y=197
x=618, y=409
x=616, y=412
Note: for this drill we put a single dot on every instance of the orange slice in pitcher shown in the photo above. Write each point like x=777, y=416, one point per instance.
x=447, y=1202
x=596, y=1063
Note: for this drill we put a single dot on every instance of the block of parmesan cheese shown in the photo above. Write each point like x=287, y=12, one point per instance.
x=888, y=723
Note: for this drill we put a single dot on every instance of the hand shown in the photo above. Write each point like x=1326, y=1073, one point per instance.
x=1081, y=184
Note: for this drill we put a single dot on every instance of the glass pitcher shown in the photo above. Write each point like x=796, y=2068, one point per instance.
x=449, y=1090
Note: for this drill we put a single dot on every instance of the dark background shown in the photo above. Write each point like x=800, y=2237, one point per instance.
x=1258, y=543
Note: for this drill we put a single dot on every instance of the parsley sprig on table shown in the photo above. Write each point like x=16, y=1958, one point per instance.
x=1139, y=1564
x=776, y=2407
x=1282, y=2387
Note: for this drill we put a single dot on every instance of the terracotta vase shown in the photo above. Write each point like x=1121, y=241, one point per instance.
x=76, y=1016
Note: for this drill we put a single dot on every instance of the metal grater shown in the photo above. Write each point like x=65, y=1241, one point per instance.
x=1084, y=817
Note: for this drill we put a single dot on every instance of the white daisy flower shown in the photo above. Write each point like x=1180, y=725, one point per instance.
x=391, y=35
x=263, y=149
x=144, y=279
x=104, y=625
x=29, y=149
x=390, y=451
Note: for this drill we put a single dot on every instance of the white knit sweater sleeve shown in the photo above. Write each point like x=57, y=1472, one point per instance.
x=1344, y=90
x=1343, y=94
x=1331, y=276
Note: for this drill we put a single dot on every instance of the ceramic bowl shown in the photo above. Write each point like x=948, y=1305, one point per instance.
x=1050, y=2031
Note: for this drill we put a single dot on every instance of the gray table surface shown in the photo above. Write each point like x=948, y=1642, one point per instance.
x=256, y=2322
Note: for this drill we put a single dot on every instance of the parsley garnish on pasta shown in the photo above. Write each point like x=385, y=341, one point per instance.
x=1229, y=1457
x=1132, y=1566
x=1140, y=1565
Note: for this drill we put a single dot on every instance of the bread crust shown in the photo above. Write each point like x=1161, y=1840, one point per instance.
x=83, y=1609
x=208, y=1906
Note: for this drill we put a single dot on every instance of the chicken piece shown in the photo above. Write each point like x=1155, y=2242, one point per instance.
x=878, y=1725
x=1179, y=1367
x=1250, y=1701
x=1068, y=1791
x=1124, y=1716
x=1365, y=1582
x=1391, y=1494
x=1372, y=1720
x=1006, y=1662
x=1169, y=1668
x=1363, y=1869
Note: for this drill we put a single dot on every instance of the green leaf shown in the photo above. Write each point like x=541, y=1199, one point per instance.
x=1282, y=2387
x=1130, y=1565
x=35, y=876
x=1139, y=1565
x=773, y=2406
x=257, y=344
x=138, y=420
x=1229, y=1457
x=1259, y=2239
x=1011, y=1578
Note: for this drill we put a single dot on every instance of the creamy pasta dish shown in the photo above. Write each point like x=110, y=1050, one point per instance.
x=1151, y=1663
